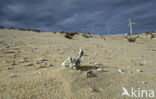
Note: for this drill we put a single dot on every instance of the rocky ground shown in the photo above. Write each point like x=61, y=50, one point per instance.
x=30, y=65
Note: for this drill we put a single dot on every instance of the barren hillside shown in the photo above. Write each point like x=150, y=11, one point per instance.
x=30, y=65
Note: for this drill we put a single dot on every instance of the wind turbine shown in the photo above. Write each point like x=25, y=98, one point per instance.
x=130, y=26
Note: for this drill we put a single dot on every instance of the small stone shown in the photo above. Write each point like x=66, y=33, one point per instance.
x=13, y=64
x=95, y=67
x=145, y=61
x=29, y=64
x=13, y=76
x=43, y=59
x=42, y=66
x=50, y=64
x=96, y=63
x=89, y=63
x=140, y=64
x=10, y=68
x=144, y=82
x=138, y=70
x=44, y=63
x=24, y=60
x=36, y=62
x=93, y=90
x=99, y=69
x=121, y=71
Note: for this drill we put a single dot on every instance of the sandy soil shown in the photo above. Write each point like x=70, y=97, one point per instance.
x=30, y=66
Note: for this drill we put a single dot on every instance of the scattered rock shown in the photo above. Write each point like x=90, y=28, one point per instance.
x=121, y=71
x=44, y=63
x=138, y=70
x=93, y=90
x=144, y=82
x=140, y=64
x=30, y=64
x=50, y=65
x=10, y=52
x=95, y=67
x=145, y=62
x=96, y=63
x=6, y=62
x=43, y=59
x=13, y=76
x=24, y=59
x=13, y=64
x=99, y=69
x=10, y=68
x=89, y=63
x=7, y=46
x=42, y=67
x=130, y=72
x=36, y=62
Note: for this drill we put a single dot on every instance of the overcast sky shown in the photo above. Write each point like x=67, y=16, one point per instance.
x=79, y=15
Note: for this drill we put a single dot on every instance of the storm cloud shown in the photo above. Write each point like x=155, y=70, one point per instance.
x=79, y=15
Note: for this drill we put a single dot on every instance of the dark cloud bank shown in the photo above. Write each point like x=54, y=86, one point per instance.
x=79, y=15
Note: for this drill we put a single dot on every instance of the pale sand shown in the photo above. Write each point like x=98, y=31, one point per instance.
x=40, y=81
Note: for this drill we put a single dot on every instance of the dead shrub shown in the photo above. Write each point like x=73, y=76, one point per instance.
x=22, y=29
x=87, y=35
x=63, y=32
x=152, y=36
x=29, y=30
x=2, y=27
x=69, y=35
x=132, y=39
x=11, y=28
x=36, y=30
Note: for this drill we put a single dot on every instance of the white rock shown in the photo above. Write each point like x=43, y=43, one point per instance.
x=96, y=63
x=121, y=71
x=144, y=82
x=99, y=69
x=145, y=62
x=43, y=59
x=138, y=70
x=13, y=76
x=89, y=63
x=93, y=90
x=50, y=64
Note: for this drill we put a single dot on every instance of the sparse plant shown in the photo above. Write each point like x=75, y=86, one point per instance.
x=63, y=32
x=22, y=29
x=36, y=30
x=152, y=36
x=132, y=39
x=2, y=27
x=87, y=35
x=29, y=30
x=11, y=28
x=69, y=35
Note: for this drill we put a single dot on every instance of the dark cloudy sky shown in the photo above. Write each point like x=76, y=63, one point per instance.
x=79, y=15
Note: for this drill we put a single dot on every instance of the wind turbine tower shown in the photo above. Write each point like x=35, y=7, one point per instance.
x=130, y=26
